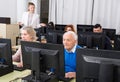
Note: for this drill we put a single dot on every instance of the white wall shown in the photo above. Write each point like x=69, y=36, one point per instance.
x=15, y=8
x=8, y=8
x=104, y=12
x=21, y=7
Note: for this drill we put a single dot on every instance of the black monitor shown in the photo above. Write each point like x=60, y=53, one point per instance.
x=91, y=40
x=110, y=33
x=84, y=28
x=55, y=36
x=117, y=42
x=60, y=27
x=43, y=58
x=98, y=65
x=51, y=37
x=40, y=32
x=59, y=37
x=5, y=20
x=6, y=65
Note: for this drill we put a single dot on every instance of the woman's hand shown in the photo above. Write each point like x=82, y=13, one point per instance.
x=20, y=64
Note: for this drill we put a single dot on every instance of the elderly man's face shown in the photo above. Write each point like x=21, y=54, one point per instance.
x=69, y=41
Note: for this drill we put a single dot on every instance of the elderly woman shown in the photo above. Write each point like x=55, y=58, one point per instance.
x=27, y=34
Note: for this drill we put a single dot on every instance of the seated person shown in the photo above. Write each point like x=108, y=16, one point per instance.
x=51, y=25
x=27, y=34
x=98, y=29
x=70, y=41
x=69, y=28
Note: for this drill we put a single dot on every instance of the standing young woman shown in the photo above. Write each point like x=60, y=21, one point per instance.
x=27, y=34
x=30, y=18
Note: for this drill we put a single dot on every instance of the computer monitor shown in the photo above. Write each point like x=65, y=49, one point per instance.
x=97, y=65
x=59, y=37
x=60, y=27
x=117, y=42
x=91, y=40
x=6, y=65
x=5, y=20
x=84, y=28
x=40, y=32
x=49, y=58
x=110, y=33
x=51, y=37
x=55, y=36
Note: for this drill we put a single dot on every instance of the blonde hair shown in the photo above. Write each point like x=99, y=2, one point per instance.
x=30, y=31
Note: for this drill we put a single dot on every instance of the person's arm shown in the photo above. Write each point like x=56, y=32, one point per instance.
x=17, y=57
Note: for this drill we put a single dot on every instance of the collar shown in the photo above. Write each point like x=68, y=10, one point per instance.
x=73, y=49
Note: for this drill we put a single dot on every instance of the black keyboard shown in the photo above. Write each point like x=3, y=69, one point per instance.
x=3, y=66
x=18, y=68
x=44, y=77
x=65, y=79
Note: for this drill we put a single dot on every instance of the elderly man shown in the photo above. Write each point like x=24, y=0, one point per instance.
x=70, y=40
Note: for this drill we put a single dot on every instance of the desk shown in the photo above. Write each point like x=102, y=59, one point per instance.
x=73, y=80
x=14, y=76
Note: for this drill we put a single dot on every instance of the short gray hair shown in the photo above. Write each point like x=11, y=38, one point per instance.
x=72, y=33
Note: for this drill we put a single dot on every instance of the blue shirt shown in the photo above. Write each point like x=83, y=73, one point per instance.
x=70, y=60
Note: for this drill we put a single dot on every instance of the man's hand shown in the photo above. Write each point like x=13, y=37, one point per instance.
x=70, y=75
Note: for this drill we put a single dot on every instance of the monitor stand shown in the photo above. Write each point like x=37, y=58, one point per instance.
x=44, y=77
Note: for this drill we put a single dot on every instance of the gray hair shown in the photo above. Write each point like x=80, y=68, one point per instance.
x=72, y=33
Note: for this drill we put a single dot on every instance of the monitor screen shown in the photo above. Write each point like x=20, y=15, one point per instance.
x=48, y=56
x=59, y=27
x=117, y=42
x=98, y=65
x=5, y=51
x=6, y=65
x=55, y=37
x=51, y=37
x=91, y=40
x=59, y=37
x=110, y=33
x=40, y=31
x=5, y=20
x=84, y=28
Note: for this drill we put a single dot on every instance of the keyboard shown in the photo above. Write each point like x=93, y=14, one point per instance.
x=44, y=77
x=3, y=66
x=18, y=68
x=65, y=79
